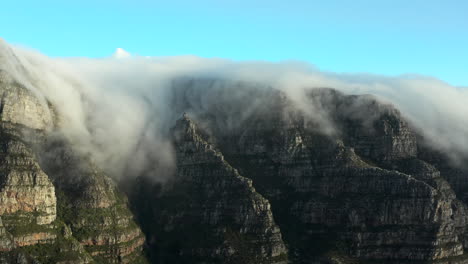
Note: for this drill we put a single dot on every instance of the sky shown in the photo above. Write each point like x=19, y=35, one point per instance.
x=360, y=36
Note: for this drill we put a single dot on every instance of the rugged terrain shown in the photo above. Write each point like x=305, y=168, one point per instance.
x=370, y=191
x=56, y=206
x=252, y=182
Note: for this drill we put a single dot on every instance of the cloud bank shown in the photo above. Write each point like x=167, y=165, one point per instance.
x=119, y=109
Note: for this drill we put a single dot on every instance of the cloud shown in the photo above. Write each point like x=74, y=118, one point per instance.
x=120, y=111
x=121, y=54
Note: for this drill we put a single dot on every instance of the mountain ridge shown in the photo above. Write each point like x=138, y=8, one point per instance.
x=253, y=176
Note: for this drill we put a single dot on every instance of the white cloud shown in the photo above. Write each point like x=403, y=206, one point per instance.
x=121, y=54
x=119, y=110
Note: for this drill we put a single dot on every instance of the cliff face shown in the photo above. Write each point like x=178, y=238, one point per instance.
x=30, y=228
x=209, y=213
x=91, y=204
x=363, y=191
x=19, y=106
x=27, y=196
x=55, y=207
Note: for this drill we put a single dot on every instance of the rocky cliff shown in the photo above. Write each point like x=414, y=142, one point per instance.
x=54, y=206
x=209, y=212
x=362, y=192
x=90, y=203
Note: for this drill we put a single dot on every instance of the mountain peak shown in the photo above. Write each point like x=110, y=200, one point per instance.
x=185, y=127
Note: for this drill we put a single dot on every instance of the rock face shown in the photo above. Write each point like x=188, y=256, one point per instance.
x=25, y=188
x=55, y=205
x=374, y=129
x=341, y=191
x=91, y=204
x=30, y=230
x=210, y=213
x=20, y=105
x=362, y=192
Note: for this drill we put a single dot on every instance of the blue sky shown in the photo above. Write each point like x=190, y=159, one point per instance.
x=384, y=37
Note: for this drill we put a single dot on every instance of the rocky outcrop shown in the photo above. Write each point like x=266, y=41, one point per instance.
x=356, y=191
x=27, y=196
x=30, y=230
x=375, y=130
x=209, y=213
x=90, y=203
x=25, y=188
x=56, y=206
x=75, y=216
x=339, y=189
x=22, y=106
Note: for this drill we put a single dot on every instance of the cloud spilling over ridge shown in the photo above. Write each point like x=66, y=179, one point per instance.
x=120, y=109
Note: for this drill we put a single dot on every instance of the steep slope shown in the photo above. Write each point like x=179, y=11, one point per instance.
x=209, y=213
x=42, y=222
x=359, y=192
x=30, y=228
x=90, y=203
x=355, y=204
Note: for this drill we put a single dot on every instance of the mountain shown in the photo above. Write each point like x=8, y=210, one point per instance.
x=254, y=177
x=209, y=212
x=56, y=205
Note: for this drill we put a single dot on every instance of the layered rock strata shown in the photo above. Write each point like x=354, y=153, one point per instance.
x=358, y=192
x=210, y=213
x=40, y=222
x=91, y=204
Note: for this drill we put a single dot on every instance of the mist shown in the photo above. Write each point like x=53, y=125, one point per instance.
x=120, y=109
